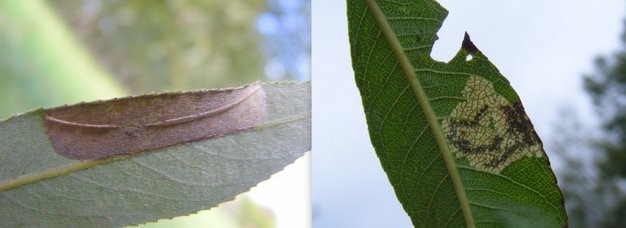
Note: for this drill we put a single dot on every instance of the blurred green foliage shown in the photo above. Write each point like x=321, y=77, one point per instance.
x=607, y=89
x=594, y=182
x=42, y=64
x=173, y=45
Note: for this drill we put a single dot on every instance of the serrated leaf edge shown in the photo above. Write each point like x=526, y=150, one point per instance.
x=74, y=167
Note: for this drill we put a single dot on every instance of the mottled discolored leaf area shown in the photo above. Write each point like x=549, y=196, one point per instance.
x=453, y=138
x=39, y=187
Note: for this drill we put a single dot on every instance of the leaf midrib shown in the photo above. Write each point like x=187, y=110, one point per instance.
x=422, y=99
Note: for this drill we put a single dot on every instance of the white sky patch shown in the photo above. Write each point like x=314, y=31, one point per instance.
x=288, y=193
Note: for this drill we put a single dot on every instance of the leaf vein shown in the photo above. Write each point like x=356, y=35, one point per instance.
x=518, y=184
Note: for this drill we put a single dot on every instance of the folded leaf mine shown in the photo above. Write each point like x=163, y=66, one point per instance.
x=131, y=125
x=139, y=159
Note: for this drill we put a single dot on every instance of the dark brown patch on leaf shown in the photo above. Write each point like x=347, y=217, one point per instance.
x=468, y=44
x=520, y=124
x=91, y=131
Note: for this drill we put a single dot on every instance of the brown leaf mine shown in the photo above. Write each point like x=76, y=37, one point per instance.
x=91, y=131
x=488, y=131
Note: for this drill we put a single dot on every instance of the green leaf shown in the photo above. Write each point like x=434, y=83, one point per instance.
x=41, y=188
x=453, y=137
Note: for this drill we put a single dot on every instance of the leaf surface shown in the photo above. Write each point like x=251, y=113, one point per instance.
x=453, y=138
x=39, y=187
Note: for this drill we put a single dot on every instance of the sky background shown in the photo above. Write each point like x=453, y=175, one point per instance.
x=542, y=47
x=286, y=29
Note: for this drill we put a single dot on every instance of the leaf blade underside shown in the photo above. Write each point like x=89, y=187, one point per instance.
x=160, y=183
x=504, y=178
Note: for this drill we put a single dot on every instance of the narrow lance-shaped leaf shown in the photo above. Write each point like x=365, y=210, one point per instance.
x=139, y=159
x=453, y=137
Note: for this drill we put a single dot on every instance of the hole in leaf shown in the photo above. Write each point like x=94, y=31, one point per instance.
x=469, y=57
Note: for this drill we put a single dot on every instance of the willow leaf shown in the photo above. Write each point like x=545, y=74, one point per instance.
x=453, y=138
x=41, y=186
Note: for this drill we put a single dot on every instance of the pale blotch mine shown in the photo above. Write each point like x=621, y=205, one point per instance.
x=488, y=131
